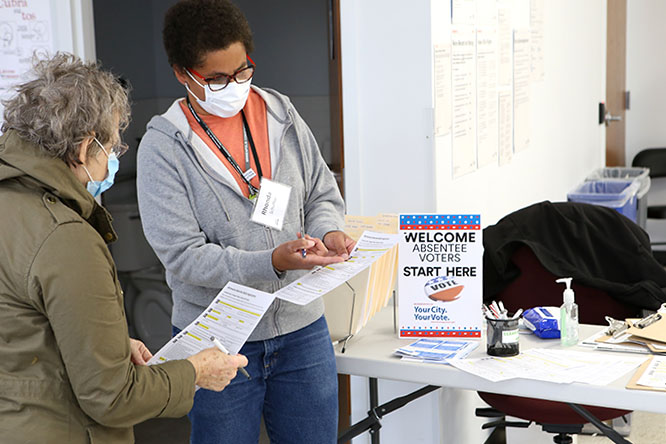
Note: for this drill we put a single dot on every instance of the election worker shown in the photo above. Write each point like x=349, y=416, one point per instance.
x=202, y=165
x=69, y=373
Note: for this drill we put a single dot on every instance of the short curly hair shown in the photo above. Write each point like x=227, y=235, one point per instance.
x=67, y=101
x=193, y=28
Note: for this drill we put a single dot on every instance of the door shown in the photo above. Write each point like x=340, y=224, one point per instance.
x=616, y=57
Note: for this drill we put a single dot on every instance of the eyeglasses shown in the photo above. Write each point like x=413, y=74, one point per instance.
x=119, y=149
x=220, y=82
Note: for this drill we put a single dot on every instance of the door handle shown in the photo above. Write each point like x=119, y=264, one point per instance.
x=611, y=118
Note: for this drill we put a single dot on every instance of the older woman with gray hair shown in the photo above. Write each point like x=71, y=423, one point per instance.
x=69, y=373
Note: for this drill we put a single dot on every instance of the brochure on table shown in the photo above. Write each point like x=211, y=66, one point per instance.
x=440, y=284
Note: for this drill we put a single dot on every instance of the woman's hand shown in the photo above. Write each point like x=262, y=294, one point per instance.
x=140, y=353
x=289, y=255
x=215, y=369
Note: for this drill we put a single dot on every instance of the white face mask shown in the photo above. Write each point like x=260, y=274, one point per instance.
x=224, y=103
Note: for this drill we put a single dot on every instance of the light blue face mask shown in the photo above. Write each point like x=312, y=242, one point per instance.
x=97, y=187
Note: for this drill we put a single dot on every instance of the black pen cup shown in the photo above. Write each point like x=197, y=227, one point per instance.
x=502, y=339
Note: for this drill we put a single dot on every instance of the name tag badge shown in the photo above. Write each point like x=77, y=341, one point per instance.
x=271, y=204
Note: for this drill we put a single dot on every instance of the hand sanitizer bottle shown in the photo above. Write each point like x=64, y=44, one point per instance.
x=568, y=316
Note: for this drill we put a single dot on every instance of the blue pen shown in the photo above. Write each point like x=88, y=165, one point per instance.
x=303, y=252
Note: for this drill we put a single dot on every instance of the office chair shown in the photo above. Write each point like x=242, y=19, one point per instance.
x=655, y=160
x=554, y=417
x=513, y=273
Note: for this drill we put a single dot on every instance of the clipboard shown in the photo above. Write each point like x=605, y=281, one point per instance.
x=656, y=331
x=632, y=384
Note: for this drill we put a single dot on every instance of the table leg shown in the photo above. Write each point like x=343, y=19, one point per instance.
x=372, y=423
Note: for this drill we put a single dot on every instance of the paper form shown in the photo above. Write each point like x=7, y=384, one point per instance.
x=559, y=366
x=442, y=84
x=505, y=43
x=486, y=95
x=536, y=39
x=463, y=11
x=655, y=374
x=463, y=77
x=369, y=248
x=505, y=123
x=521, y=89
x=230, y=317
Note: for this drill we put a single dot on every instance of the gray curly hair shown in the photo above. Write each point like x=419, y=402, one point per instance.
x=67, y=101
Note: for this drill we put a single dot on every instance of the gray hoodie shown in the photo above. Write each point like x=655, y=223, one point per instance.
x=197, y=220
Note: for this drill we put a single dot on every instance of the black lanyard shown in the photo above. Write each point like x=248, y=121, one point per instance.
x=247, y=134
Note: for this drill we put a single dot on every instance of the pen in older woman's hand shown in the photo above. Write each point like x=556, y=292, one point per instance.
x=221, y=347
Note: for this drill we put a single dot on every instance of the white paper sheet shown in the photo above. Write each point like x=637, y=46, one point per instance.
x=521, y=90
x=560, y=366
x=231, y=317
x=463, y=76
x=505, y=123
x=536, y=39
x=442, y=80
x=486, y=95
x=655, y=374
x=505, y=43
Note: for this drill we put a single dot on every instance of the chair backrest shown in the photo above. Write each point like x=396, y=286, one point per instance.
x=594, y=304
x=652, y=158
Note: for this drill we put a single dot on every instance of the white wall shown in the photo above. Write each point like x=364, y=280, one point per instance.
x=393, y=163
x=646, y=76
x=566, y=140
x=646, y=79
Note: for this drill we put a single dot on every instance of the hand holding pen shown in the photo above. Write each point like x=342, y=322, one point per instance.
x=289, y=255
x=214, y=370
x=223, y=349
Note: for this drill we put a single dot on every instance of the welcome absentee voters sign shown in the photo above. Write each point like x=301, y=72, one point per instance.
x=440, y=284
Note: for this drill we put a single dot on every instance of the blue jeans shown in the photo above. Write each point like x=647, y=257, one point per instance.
x=294, y=385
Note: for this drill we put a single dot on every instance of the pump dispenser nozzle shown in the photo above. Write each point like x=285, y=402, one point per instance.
x=568, y=295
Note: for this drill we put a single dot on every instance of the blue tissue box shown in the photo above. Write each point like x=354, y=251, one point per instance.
x=543, y=321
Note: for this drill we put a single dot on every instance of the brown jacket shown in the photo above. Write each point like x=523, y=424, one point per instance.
x=65, y=370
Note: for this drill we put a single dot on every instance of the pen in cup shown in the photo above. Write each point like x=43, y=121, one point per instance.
x=221, y=348
x=303, y=252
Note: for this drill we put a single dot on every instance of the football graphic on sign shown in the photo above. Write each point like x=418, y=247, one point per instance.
x=443, y=289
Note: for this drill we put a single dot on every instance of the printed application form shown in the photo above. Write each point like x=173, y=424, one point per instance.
x=369, y=248
x=236, y=310
x=230, y=318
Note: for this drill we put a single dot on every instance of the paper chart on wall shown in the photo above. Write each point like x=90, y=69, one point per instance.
x=486, y=95
x=25, y=29
x=231, y=317
x=442, y=85
x=521, y=89
x=536, y=39
x=369, y=248
x=505, y=121
x=463, y=77
x=504, y=43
